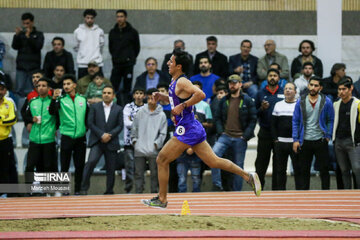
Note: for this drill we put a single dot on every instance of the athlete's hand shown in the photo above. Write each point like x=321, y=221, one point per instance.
x=178, y=109
x=157, y=96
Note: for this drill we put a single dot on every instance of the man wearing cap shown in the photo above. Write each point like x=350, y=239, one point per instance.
x=265, y=101
x=7, y=119
x=235, y=122
x=346, y=133
x=71, y=108
x=83, y=83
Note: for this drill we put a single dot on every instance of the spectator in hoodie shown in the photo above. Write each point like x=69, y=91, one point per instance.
x=58, y=56
x=152, y=76
x=306, y=48
x=124, y=47
x=303, y=81
x=148, y=134
x=90, y=41
x=28, y=41
x=129, y=113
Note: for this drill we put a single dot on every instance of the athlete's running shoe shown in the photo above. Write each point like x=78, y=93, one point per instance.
x=255, y=183
x=154, y=202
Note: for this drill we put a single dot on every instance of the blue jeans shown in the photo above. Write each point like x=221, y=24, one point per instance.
x=239, y=146
x=252, y=90
x=184, y=163
x=23, y=83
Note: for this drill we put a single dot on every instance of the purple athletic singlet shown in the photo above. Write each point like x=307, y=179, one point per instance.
x=188, y=130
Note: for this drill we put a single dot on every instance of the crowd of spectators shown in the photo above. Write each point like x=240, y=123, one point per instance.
x=301, y=114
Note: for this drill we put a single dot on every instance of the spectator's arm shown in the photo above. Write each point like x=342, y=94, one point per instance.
x=296, y=122
x=102, y=41
x=293, y=68
x=119, y=125
x=274, y=124
x=134, y=128
x=159, y=141
x=137, y=44
x=284, y=68
x=255, y=78
x=319, y=68
x=77, y=40
x=26, y=113
x=46, y=66
x=249, y=131
x=9, y=120
x=218, y=117
x=91, y=123
x=70, y=63
x=126, y=114
x=261, y=70
x=16, y=43
x=54, y=107
x=329, y=119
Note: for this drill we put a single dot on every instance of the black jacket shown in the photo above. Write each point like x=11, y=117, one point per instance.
x=165, y=68
x=296, y=66
x=247, y=115
x=98, y=125
x=124, y=45
x=236, y=61
x=52, y=60
x=219, y=64
x=29, y=50
x=141, y=79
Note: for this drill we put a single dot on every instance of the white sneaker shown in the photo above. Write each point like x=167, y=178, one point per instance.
x=255, y=183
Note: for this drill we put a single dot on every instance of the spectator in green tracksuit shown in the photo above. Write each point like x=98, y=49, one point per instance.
x=72, y=111
x=42, y=147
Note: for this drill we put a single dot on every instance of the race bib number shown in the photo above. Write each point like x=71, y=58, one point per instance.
x=180, y=130
x=171, y=102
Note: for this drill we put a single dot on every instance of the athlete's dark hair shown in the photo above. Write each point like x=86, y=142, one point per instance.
x=182, y=58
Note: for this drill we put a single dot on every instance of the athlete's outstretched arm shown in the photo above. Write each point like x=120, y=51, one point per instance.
x=185, y=89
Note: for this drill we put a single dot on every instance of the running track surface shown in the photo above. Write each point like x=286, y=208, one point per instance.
x=333, y=205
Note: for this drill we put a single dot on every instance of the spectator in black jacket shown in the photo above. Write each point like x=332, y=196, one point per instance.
x=28, y=42
x=330, y=88
x=124, y=47
x=219, y=61
x=164, y=67
x=152, y=76
x=58, y=56
x=306, y=48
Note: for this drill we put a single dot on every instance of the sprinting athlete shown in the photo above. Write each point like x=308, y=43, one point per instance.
x=189, y=133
